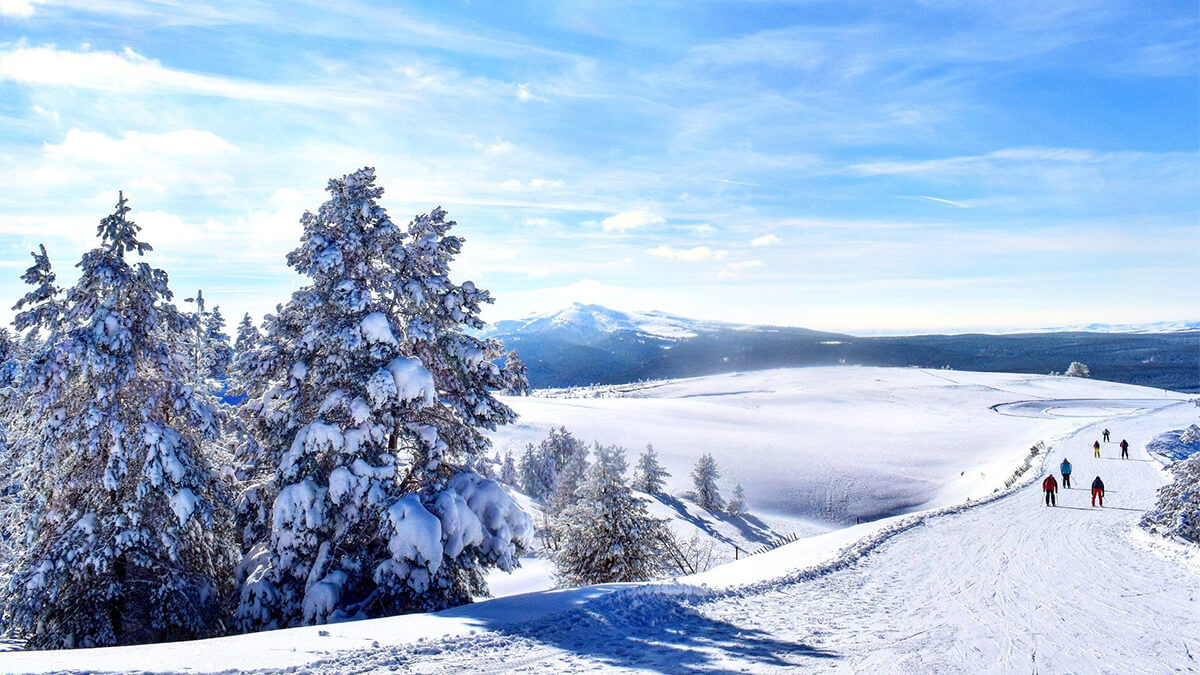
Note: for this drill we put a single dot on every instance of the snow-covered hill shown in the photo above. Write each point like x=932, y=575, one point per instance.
x=1002, y=584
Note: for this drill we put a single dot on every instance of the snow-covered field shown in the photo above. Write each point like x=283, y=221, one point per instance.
x=833, y=445
x=1004, y=584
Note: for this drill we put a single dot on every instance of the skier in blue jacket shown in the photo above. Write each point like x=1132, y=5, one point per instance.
x=1066, y=473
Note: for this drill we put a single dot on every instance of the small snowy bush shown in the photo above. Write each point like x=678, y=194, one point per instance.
x=1177, y=512
x=1077, y=369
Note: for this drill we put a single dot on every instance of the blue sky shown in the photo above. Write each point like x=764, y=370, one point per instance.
x=858, y=166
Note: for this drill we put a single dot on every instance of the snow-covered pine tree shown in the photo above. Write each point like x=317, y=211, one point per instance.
x=608, y=535
x=1177, y=510
x=1077, y=369
x=518, y=374
x=508, y=471
x=649, y=476
x=42, y=306
x=704, y=477
x=737, y=505
x=369, y=398
x=123, y=542
x=247, y=338
x=569, y=479
x=537, y=475
x=217, y=342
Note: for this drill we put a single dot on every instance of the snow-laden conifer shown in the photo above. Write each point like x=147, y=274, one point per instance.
x=368, y=399
x=649, y=476
x=122, y=539
x=704, y=478
x=569, y=479
x=518, y=375
x=737, y=505
x=537, y=475
x=221, y=353
x=42, y=306
x=1077, y=369
x=248, y=336
x=607, y=535
x=508, y=471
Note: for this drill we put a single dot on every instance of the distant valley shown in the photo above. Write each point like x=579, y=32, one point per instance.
x=591, y=344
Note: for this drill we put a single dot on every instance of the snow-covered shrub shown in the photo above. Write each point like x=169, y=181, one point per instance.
x=1177, y=512
x=737, y=505
x=649, y=476
x=124, y=541
x=704, y=477
x=1077, y=369
x=368, y=398
x=608, y=535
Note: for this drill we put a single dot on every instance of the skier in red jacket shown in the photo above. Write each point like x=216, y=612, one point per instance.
x=1051, y=487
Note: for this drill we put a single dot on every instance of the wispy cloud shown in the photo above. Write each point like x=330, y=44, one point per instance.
x=696, y=254
x=630, y=220
x=766, y=240
x=129, y=72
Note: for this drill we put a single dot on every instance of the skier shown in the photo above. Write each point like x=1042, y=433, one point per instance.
x=1051, y=487
x=1124, y=449
x=1098, y=491
x=1096, y=447
x=1106, y=435
x=1066, y=473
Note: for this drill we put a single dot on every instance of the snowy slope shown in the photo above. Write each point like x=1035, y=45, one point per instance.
x=1008, y=585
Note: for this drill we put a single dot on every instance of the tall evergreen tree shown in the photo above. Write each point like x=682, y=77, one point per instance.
x=217, y=343
x=369, y=397
x=123, y=538
x=247, y=338
x=608, y=535
x=569, y=480
x=704, y=477
x=650, y=476
x=518, y=374
x=508, y=471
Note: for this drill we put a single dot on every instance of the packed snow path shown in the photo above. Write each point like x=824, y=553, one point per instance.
x=1006, y=586
x=1009, y=586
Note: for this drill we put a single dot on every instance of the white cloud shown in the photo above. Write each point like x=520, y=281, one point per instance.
x=696, y=254
x=131, y=72
x=523, y=94
x=52, y=114
x=630, y=220
x=135, y=145
x=498, y=147
x=744, y=265
x=21, y=8
x=766, y=240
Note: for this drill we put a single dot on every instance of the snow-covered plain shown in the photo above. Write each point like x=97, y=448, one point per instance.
x=1004, y=584
x=832, y=445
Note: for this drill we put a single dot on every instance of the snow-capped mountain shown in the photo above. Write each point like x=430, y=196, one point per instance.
x=588, y=324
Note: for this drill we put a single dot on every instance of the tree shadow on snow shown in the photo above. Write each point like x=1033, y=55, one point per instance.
x=750, y=527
